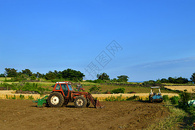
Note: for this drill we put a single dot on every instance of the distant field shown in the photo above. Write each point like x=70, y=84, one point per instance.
x=172, y=84
x=190, y=89
x=128, y=89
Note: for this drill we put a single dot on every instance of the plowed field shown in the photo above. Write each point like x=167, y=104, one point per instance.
x=23, y=114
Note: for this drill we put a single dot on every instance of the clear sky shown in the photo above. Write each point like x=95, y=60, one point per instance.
x=156, y=38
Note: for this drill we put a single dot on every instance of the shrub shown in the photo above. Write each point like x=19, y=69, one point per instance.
x=30, y=97
x=14, y=97
x=99, y=81
x=118, y=90
x=22, y=97
x=132, y=98
x=174, y=100
x=95, y=89
x=59, y=80
x=107, y=92
x=165, y=98
x=7, y=96
x=20, y=78
x=184, y=98
x=33, y=78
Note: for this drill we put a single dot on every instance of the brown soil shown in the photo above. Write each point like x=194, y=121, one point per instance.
x=23, y=114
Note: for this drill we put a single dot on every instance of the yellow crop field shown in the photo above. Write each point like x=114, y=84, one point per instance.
x=190, y=89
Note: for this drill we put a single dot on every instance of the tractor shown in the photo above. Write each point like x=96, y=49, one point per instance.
x=155, y=97
x=63, y=93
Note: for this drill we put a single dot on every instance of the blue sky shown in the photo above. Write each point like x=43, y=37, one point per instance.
x=157, y=38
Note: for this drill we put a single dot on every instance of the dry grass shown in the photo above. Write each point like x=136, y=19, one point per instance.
x=190, y=89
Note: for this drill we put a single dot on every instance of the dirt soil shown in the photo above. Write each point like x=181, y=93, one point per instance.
x=23, y=114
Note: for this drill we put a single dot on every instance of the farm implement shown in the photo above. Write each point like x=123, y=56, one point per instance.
x=63, y=93
x=191, y=103
x=155, y=97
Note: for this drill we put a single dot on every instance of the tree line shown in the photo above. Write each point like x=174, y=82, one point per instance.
x=104, y=77
x=67, y=74
x=74, y=75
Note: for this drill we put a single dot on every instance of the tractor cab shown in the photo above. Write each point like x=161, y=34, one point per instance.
x=63, y=87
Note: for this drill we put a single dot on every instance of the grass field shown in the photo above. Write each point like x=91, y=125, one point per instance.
x=128, y=89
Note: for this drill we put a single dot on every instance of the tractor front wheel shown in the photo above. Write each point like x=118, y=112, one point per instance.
x=80, y=102
x=55, y=99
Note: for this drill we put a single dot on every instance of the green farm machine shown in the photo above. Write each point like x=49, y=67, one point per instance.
x=155, y=97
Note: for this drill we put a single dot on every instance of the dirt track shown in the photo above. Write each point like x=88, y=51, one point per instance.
x=23, y=114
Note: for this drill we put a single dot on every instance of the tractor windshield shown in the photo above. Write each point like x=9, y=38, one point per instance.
x=70, y=87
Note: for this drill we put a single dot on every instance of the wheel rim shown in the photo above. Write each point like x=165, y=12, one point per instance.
x=55, y=100
x=79, y=102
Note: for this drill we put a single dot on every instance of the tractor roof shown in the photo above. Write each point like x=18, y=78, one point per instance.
x=155, y=87
x=65, y=82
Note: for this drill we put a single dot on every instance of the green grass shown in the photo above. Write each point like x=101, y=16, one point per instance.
x=171, y=122
x=128, y=89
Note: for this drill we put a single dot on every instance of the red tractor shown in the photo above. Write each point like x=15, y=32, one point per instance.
x=63, y=93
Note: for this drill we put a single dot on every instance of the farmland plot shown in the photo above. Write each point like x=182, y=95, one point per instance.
x=23, y=114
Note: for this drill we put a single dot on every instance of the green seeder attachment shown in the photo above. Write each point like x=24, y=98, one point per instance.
x=41, y=102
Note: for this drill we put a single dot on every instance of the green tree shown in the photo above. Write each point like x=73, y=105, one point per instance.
x=71, y=75
x=50, y=75
x=171, y=80
x=122, y=78
x=103, y=76
x=38, y=75
x=181, y=80
x=114, y=80
x=193, y=77
x=163, y=80
x=27, y=72
x=2, y=75
x=11, y=72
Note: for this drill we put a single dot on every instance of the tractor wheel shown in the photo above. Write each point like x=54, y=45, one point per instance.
x=80, y=102
x=55, y=99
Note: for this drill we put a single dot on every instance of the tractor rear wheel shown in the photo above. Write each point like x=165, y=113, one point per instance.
x=80, y=102
x=55, y=99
